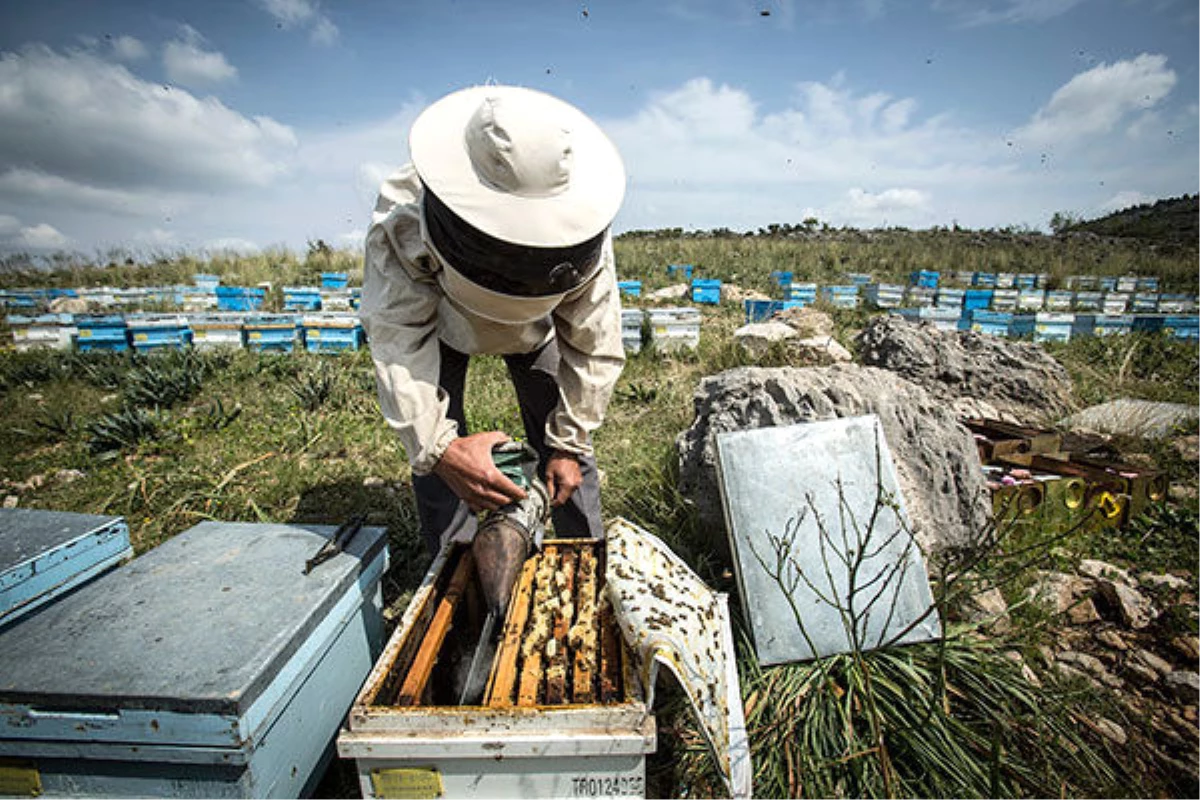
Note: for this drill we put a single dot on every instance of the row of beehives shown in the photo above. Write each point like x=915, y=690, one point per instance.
x=318, y=332
x=932, y=279
x=207, y=294
x=1029, y=472
x=220, y=663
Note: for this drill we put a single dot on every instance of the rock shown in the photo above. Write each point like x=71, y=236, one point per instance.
x=68, y=475
x=1141, y=418
x=1112, y=640
x=1086, y=662
x=757, y=337
x=1187, y=646
x=1102, y=569
x=11, y=500
x=732, y=293
x=677, y=291
x=1141, y=673
x=1130, y=607
x=807, y=321
x=68, y=305
x=988, y=608
x=821, y=350
x=1066, y=594
x=937, y=465
x=1183, y=685
x=1111, y=731
x=34, y=397
x=973, y=372
x=1151, y=661
x=374, y=482
x=1188, y=447
x=1026, y=672
x=1168, y=582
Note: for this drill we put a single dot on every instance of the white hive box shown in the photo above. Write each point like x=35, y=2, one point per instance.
x=44, y=554
x=209, y=667
x=674, y=329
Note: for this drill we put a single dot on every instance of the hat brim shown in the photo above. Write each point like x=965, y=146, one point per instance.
x=587, y=206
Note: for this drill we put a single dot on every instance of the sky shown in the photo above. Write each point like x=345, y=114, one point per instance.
x=154, y=128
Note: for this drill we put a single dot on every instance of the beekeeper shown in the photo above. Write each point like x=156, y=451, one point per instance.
x=495, y=239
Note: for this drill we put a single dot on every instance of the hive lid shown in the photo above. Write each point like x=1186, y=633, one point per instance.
x=669, y=617
x=822, y=545
x=201, y=624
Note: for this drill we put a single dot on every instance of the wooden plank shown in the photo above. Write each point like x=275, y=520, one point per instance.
x=504, y=668
x=414, y=688
x=583, y=636
x=610, y=656
x=538, y=633
x=564, y=614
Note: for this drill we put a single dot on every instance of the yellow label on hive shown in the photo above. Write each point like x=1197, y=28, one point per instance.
x=410, y=783
x=141, y=337
x=19, y=778
x=255, y=334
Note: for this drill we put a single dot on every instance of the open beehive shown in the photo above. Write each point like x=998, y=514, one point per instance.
x=562, y=703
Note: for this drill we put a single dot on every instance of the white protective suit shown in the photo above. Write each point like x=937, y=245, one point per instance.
x=405, y=310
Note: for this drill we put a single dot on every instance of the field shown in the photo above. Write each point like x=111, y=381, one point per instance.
x=170, y=440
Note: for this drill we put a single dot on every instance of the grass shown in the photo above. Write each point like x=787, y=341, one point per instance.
x=235, y=435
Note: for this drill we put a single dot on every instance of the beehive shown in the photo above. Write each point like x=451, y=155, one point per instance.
x=562, y=707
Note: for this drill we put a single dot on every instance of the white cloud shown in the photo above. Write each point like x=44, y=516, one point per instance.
x=303, y=14
x=86, y=121
x=1004, y=12
x=128, y=48
x=38, y=238
x=187, y=64
x=1096, y=101
x=231, y=244
x=36, y=187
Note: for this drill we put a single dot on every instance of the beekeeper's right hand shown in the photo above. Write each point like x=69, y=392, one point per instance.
x=468, y=469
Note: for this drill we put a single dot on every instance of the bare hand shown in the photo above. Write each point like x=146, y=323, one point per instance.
x=468, y=469
x=563, y=477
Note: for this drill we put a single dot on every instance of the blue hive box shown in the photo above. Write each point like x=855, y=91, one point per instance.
x=211, y=666
x=334, y=280
x=781, y=278
x=301, y=298
x=996, y=323
x=239, y=298
x=325, y=333
x=680, y=271
x=44, y=554
x=805, y=293
x=984, y=280
x=630, y=288
x=1186, y=328
x=272, y=332
x=706, y=290
x=101, y=332
x=926, y=278
x=840, y=296
x=976, y=298
x=158, y=331
x=762, y=310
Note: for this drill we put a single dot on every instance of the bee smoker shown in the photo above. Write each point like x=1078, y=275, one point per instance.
x=505, y=538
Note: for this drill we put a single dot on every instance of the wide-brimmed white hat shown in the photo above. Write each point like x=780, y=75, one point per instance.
x=519, y=165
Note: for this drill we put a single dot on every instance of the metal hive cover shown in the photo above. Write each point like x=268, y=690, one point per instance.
x=818, y=528
x=202, y=623
x=27, y=533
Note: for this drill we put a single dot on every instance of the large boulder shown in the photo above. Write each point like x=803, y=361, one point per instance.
x=936, y=461
x=977, y=374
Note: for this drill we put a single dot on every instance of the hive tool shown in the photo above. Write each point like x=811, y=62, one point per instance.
x=336, y=543
x=506, y=537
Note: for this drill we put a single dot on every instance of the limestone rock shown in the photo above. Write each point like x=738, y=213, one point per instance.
x=1183, y=685
x=1188, y=647
x=1171, y=583
x=937, y=465
x=1142, y=418
x=822, y=350
x=677, y=291
x=1102, y=569
x=966, y=368
x=757, y=337
x=987, y=608
x=1152, y=661
x=1066, y=594
x=807, y=321
x=1111, y=731
x=1131, y=607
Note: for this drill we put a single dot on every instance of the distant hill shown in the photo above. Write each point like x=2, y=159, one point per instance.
x=1175, y=221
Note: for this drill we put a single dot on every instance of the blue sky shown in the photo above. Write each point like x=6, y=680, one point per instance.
x=167, y=126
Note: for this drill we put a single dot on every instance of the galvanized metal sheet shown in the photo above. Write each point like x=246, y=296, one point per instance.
x=202, y=623
x=824, y=556
x=669, y=617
